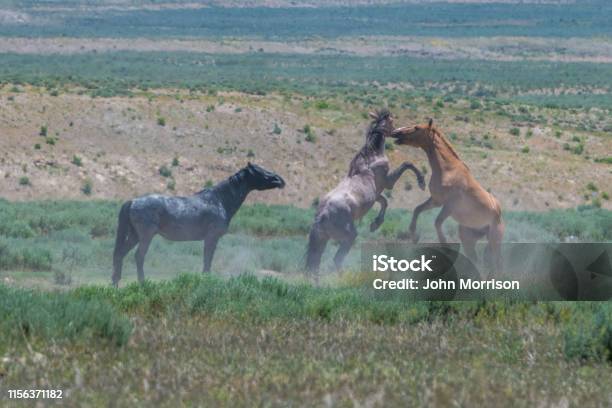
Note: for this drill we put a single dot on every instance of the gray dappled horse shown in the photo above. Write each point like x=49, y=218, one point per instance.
x=368, y=176
x=204, y=216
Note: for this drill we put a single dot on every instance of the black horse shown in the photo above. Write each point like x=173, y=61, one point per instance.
x=204, y=216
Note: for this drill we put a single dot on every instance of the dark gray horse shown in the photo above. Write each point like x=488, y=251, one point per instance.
x=368, y=176
x=204, y=216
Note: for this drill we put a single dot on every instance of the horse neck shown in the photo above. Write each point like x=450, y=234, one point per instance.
x=232, y=193
x=439, y=155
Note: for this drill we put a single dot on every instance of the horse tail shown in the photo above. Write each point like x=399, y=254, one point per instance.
x=123, y=226
x=124, y=229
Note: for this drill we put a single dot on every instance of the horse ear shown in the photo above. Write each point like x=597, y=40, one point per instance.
x=430, y=122
x=373, y=115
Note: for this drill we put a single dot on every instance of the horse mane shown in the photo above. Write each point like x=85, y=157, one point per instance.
x=374, y=141
x=232, y=180
x=448, y=145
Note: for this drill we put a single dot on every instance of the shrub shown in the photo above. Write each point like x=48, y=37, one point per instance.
x=50, y=141
x=43, y=131
x=250, y=153
x=171, y=185
x=310, y=137
x=525, y=149
x=592, y=187
x=578, y=149
x=87, y=187
x=515, y=131
x=24, y=181
x=589, y=336
x=277, y=130
x=164, y=171
x=161, y=121
x=322, y=105
x=37, y=146
x=607, y=160
x=76, y=160
x=175, y=162
x=475, y=105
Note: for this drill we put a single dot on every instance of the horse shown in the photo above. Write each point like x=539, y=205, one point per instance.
x=367, y=177
x=204, y=216
x=453, y=187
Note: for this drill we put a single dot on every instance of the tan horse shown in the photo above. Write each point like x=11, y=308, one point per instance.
x=454, y=188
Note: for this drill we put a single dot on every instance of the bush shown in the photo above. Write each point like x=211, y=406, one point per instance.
x=515, y=131
x=43, y=131
x=87, y=187
x=171, y=185
x=589, y=336
x=161, y=121
x=165, y=171
x=24, y=181
x=578, y=149
x=175, y=162
x=76, y=160
x=277, y=130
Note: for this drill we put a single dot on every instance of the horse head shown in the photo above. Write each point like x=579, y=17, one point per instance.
x=417, y=136
x=262, y=179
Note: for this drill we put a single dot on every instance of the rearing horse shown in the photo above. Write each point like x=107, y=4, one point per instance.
x=453, y=187
x=367, y=177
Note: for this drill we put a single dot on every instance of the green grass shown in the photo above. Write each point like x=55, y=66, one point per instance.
x=31, y=316
x=120, y=73
x=246, y=340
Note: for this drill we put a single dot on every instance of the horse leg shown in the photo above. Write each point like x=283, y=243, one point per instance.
x=345, y=245
x=120, y=253
x=469, y=237
x=143, y=247
x=210, y=244
x=427, y=205
x=397, y=173
x=495, y=237
x=380, y=218
x=317, y=240
x=442, y=216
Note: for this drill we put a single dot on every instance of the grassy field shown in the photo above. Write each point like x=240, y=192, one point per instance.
x=235, y=338
x=246, y=341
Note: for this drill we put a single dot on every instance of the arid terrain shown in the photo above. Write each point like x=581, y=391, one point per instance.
x=121, y=146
